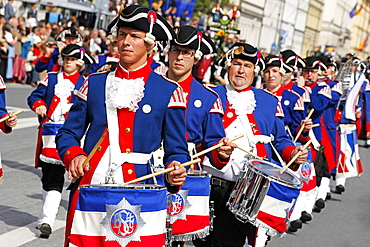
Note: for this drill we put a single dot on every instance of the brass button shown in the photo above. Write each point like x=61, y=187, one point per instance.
x=99, y=148
x=55, y=100
x=51, y=109
x=68, y=152
x=128, y=150
x=129, y=171
x=130, y=110
x=127, y=130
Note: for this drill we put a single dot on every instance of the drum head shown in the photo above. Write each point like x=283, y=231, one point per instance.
x=272, y=172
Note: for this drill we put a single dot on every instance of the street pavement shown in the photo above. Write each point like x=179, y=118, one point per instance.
x=344, y=222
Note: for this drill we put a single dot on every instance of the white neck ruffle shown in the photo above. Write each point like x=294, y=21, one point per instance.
x=243, y=102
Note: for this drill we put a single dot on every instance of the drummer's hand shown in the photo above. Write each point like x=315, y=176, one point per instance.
x=299, y=80
x=41, y=110
x=225, y=151
x=307, y=124
x=12, y=120
x=75, y=169
x=176, y=177
x=302, y=157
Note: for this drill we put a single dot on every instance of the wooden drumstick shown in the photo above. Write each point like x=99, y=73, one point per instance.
x=162, y=172
x=294, y=158
x=215, y=147
x=315, y=125
x=302, y=127
x=91, y=154
x=251, y=154
x=7, y=117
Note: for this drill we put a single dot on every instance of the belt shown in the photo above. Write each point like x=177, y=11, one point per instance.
x=220, y=182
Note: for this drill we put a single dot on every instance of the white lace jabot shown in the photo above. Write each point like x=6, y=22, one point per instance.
x=243, y=102
x=125, y=93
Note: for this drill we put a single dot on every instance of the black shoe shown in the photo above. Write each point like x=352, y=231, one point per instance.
x=320, y=203
x=328, y=196
x=297, y=224
x=339, y=189
x=316, y=209
x=292, y=229
x=305, y=217
x=45, y=230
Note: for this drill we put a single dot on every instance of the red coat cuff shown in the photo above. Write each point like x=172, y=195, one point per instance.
x=71, y=153
x=287, y=152
x=217, y=162
x=5, y=128
x=37, y=104
x=45, y=59
x=367, y=126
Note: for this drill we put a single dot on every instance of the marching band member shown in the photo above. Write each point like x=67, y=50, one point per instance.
x=349, y=164
x=111, y=56
x=51, y=101
x=328, y=123
x=252, y=112
x=291, y=103
x=204, y=110
x=139, y=107
x=49, y=61
x=7, y=125
x=320, y=95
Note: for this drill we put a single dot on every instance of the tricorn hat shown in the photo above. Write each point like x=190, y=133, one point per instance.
x=143, y=19
x=292, y=59
x=190, y=37
x=69, y=32
x=78, y=52
x=272, y=60
x=314, y=62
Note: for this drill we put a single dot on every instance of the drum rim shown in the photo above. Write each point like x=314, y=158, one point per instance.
x=120, y=186
x=275, y=179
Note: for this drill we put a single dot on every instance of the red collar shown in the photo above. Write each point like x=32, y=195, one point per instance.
x=279, y=92
x=73, y=78
x=186, y=84
x=289, y=85
x=115, y=56
x=313, y=85
x=142, y=71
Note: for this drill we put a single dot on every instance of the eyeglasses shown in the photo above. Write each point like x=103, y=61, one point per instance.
x=185, y=53
x=312, y=71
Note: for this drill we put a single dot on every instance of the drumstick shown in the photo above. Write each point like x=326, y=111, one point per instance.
x=251, y=154
x=162, y=172
x=215, y=147
x=7, y=117
x=294, y=158
x=91, y=154
x=302, y=127
x=315, y=125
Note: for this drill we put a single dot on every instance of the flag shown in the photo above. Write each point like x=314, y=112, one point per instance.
x=364, y=44
x=355, y=11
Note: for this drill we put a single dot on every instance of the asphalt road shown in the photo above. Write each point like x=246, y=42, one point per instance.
x=345, y=221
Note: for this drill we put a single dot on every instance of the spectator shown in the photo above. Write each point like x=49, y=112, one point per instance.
x=184, y=19
x=8, y=10
x=33, y=11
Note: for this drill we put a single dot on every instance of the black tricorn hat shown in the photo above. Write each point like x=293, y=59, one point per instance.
x=292, y=59
x=272, y=60
x=77, y=51
x=143, y=19
x=245, y=52
x=69, y=32
x=327, y=61
x=190, y=37
x=314, y=62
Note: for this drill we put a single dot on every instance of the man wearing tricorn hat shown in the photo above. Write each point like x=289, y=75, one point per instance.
x=139, y=107
x=251, y=112
x=204, y=110
x=51, y=101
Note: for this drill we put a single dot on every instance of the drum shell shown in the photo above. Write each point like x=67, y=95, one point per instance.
x=195, y=220
x=88, y=228
x=262, y=197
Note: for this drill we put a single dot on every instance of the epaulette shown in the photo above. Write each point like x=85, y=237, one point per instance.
x=109, y=66
x=169, y=80
x=207, y=86
x=367, y=88
x=267, y=91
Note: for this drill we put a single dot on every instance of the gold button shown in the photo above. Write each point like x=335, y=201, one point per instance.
x=128, y=150
x=55, y=100
x=51, y=109
x=129, y=171
x=127, y=130
x=130, y=110
x=99, y=148
x=68, y=152
x=160, y=148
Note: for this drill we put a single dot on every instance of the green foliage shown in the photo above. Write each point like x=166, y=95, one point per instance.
x=144, y=3
x=205, y=6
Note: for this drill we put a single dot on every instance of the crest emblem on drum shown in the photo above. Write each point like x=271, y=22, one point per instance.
x=305, y=172
x=123, y=222
x=177, y=205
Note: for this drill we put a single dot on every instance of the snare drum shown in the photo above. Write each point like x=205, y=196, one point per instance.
x=107, y=214
x=188, y=210
x=263, y=196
